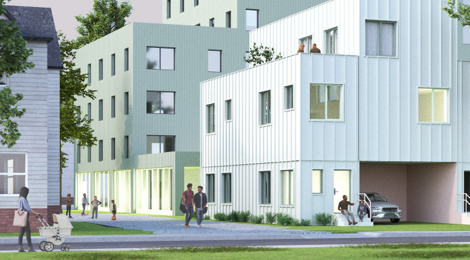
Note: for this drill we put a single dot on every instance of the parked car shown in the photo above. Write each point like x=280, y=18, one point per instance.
x=382, y=208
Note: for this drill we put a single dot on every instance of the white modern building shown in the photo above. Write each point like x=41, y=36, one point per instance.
x=382, y=109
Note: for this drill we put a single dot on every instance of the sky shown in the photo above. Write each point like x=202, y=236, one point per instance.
x=64, y=11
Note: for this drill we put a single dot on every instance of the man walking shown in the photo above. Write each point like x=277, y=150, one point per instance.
x=343, y=206
x=84, y=203
x=200, y=203
x=188, y=199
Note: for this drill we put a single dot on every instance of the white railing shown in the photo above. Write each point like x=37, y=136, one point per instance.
x=367, y=202
x=465, y=199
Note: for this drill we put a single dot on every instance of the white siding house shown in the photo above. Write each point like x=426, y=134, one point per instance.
x=380, y=110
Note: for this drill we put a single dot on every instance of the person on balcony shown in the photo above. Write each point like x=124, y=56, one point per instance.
x=343, y=206
x=301, y=48
x=314, y=49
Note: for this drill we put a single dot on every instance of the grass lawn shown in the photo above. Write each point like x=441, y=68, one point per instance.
x=88, y=229
x=404, y=251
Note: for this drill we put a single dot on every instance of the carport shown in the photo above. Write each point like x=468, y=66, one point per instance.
x=426, y=192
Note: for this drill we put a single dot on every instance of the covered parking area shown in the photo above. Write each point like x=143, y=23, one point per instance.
x=426, y=192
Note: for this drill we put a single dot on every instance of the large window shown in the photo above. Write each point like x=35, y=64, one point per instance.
x=113, y=106
x=160, y=58
x=317, y=181
x=210, y=186
x=181, y=6
x=160, y=144
x=332, y=41
x=380, y=38
x=100, y=103
x=228, y=110
x=325, y=102
x=113, y=64
x=126, y=103
x=154, y=186
x=12, y=173
x=160, y=102
x=287, y=187
x=265, y=108
x=101, y=69
x=113, y=148
x=168, y=9
x=227, y=181
x=126, y=59
x=210, y=118
x=100, y=148
x=215, y=61
x=212, y=22
x=89, y=74
x=265, y=187
x=126, y=146
x=308, y=42
x=252, y=19
x=289, y=95
x=228, y=19
x=433, y=105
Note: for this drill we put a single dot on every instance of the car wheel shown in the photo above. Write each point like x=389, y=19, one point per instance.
x=395, y=220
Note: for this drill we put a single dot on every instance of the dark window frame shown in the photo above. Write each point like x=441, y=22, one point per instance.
x=113, y=148
x=181, y=6
x=113, y=106
x=227, y=186
x=161, y=138
x=210, y=118
x=126, y=59
x=100, y=69
x=257, y=19
x=160, y=57
x=220, y=69
x=210, y=184
x=265, y=187
x=89, y=74
x=100, y=110
x=100, y=150
x=113, y=64
x=126, y=147
x=126, y=103
x=160, y=92
x=228, y=19
x=168, y=9
x=212, y=22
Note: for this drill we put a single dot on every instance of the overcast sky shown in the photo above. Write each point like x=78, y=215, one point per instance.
x=64, y=11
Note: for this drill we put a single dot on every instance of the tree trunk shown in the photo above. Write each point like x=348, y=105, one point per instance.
x=60, y=195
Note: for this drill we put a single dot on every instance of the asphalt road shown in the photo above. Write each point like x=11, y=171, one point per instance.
x=280, y=242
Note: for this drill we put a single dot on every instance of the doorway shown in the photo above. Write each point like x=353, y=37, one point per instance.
x=342, y=186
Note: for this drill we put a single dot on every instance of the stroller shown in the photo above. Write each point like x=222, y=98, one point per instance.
x=55, y=234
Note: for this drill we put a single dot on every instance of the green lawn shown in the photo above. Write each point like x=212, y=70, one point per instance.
x=88, y=229
x=405, y=251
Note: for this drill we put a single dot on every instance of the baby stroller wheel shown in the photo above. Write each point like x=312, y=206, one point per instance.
x=49, y=247
x=42, y=245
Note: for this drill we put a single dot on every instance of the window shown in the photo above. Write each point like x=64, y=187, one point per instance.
x=433, y=105
x=227, y=179
x=79, y=154
x=228, y=110
x=113, y=106
x=126, y=103
x=89, y=74
x=89, y=111
x=101, y=69
x=100, y=147
x=252, y=19
x=168, y=9
x=198, y=24
x=181, y=6
x=12, y=173
x=160, y=58
x=79, y=114
x=247, y=56
x=289, y=94
x=308, y=42
x=126, y=146
x=113, y=148
x=212, y=22
x=380, y=38
x=210, y=118
x=215, y=61
x=317, y=181
x=196, y=2
x=160, y=144
x=287, y=188
x=325, y=102
x=332, y=41
x=228, y=19
x=126, y=59
x=100, y=110
x=113, y=65
x=89, y=153
x=265, y=108
x=265, y=187
x=160, y=102
x=210, y=184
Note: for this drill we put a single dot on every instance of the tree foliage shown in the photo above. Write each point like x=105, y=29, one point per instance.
x=106, y=17
x=462, y=13
x=13, y=59
x=261, y=54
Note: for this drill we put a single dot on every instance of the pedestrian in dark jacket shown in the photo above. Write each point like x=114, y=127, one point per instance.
x=114, y=210
x=200, y=205
x=68, y=203
x=23, y=205
x=95, y=203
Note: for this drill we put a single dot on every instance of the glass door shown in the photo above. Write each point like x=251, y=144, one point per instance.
x=342, y=186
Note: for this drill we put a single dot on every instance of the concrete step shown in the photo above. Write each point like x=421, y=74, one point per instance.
x=343, y=222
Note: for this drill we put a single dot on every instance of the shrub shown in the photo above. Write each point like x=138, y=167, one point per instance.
x=296, y=222
x=232, y=216
x=305, y=222
x=207, y=217
x=324, y=218
x=220, y=216
x=244, y=216
x=270, y=218
x=257, y=219
x=284, y=219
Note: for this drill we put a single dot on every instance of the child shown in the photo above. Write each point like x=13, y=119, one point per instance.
x=114, y=210
x=95, y=203
x=68, y=203
x=361, y=210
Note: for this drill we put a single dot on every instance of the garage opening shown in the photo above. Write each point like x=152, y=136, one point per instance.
x=424, y=192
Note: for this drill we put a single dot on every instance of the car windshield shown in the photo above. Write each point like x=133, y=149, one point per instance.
x=377, y=198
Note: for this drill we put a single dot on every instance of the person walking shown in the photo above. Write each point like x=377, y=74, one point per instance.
x=23, y=205
x=200, y=203
x=95, y=203
x=68, y=203
x=361, y=210
x=343, y=206
x=84, y=203
x=188, y=199
x=114, y=210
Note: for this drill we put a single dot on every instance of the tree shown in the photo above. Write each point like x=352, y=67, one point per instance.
x=13, y=59
x=462, y=13
x=106, y=17
x=261, y=54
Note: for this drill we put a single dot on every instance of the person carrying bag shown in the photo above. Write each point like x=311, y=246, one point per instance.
x=21, y=220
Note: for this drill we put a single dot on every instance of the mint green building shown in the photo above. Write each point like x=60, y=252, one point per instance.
x=146, y=112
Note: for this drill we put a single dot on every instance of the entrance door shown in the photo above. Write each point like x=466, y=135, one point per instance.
x=342, y=186
x=466, y=188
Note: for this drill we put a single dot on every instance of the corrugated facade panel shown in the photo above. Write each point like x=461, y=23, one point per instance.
x=53, y=138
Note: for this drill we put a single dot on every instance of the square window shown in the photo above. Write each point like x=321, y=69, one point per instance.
x=227, y=179
x=325, y=102
x=252, y=19
x=317, y=181
x=433, y=105
x=160, y=58
x=210, y=118
x=228, y=110
x=287, y=187
x=160, y=102
x=289, y=94
x=265, y=187
x=215, y=61
x=12, y=173
x=380, y=38
x=265, y=108
x=160, y=144
x=210, y=184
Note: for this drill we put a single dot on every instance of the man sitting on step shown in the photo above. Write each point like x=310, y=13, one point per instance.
x=343, y=206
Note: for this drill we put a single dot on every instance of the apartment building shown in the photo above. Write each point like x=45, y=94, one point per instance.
x=381, y=109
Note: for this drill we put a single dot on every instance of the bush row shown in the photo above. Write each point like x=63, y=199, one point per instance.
x=270, y=218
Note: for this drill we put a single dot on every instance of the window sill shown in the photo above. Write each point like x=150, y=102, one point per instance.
x=228, y=121
x=434, y=123
x=210, y=134
x=267, y=125
x=327, y=120
x=227, y=204
x=317, y=194
x=287, y=206
x=265, y=205
x=215, y=71
x=376, y=56
x=289, y=110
